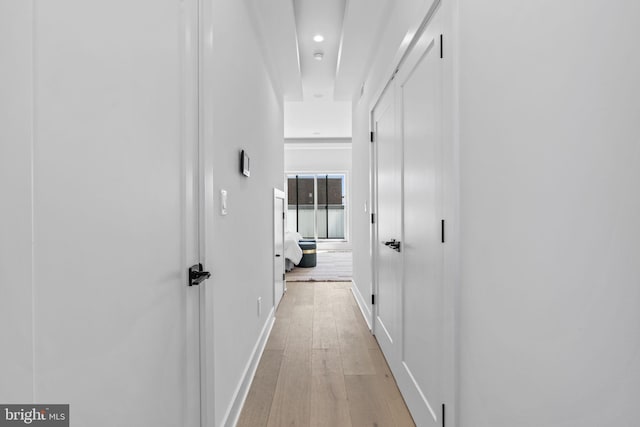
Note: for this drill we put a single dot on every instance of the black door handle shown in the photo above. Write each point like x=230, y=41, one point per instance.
x=197, y=275
x=393, y=244
x=277, y=255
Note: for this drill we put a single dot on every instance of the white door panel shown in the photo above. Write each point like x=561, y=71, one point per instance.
x=423, y=294
x=388, y=296
x=114, y=218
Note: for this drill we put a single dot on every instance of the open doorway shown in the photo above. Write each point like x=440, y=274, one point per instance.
x=317, y=182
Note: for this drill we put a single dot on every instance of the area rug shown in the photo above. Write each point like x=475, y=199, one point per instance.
x=331, y=266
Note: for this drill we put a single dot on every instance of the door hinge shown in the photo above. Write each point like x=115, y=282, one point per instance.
x=443, y=416
x=371, y=136
x=373, y=218
x=441, y=46
x=284, y=276
x=373, y=299
x=442, y=230
x=282, y=215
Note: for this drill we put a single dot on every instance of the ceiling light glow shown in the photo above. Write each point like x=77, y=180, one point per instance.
x=318, y=38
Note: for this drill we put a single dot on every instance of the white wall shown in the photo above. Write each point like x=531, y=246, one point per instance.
x=16, y=369
x=319, y=155
x=317, y=118
x=246, y=115
x=550, y=208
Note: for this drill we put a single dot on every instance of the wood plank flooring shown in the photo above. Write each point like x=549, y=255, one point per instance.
x=322, y=367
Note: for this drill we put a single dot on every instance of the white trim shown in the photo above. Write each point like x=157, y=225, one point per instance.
x=295, y=146
x=425, y=401
x=363, y=305
x=192, y=203
x=317, y=143
x=33, y=140
x=207, y=60
x=279, y=195
x=242, y=390
x=373, y=210
x=451, y=193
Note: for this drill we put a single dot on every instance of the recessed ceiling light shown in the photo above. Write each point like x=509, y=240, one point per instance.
x=318, y=95
x=318, y=56
x=318, y=38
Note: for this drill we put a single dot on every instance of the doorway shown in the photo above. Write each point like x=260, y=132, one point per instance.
x=279, y=218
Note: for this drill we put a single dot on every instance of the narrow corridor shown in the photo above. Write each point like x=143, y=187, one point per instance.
x=322, y=367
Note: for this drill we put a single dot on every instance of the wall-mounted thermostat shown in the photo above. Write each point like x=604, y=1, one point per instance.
x=244, y=164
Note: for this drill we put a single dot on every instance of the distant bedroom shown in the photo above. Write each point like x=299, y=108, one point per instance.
x=317, y=243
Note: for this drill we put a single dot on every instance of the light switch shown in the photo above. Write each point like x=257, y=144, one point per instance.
x=223, y=202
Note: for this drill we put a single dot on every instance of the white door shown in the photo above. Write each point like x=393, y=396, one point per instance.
x=389, y=256
x=115, y=207
x=409, y=323
x=420, y=86
x=278, y=246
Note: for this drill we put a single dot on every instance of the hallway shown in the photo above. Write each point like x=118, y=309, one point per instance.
x=478, y=159
x=322, y=367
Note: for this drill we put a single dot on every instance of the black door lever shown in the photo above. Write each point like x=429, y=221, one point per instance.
x=393, y=244
x=197, y=275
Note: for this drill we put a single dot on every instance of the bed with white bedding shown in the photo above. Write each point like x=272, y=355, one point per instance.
x=292, y=251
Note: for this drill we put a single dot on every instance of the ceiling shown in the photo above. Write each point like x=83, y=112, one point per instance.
x=318, y=19
x=318, y=93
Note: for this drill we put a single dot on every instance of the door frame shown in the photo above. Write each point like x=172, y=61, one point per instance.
x=279, y=196
x=206, y=59
x=194, y=403
x=373, y=210
x=374, y=249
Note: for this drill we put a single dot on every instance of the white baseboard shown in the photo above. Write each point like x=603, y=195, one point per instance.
x=242, y=390
x=363, y=304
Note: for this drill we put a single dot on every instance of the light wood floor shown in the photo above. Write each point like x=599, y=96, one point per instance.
x=322, y=367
